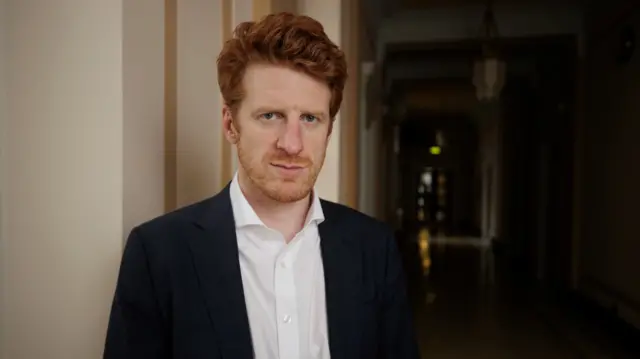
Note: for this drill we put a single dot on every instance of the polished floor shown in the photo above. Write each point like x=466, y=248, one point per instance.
x=459, y=317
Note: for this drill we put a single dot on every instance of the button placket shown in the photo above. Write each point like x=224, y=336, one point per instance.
x=286, y=306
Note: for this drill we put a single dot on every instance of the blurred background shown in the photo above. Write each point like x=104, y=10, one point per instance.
x=498, y=138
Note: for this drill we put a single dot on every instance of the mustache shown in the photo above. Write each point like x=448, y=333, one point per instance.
x=288, y=160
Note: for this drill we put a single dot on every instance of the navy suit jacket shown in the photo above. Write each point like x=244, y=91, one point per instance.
x=179, y=292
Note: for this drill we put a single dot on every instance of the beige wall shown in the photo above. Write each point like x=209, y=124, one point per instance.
x=82, y=163
x=199, y=40
x=143, y=110
x=3, y=119
x=262, y=7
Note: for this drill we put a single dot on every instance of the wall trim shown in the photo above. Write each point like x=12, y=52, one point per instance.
x=170, y=105
x=349, y=116
x=226, y=163
x=261, y=8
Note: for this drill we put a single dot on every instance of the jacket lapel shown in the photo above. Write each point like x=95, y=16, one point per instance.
x=343, y=284
x=215, y=253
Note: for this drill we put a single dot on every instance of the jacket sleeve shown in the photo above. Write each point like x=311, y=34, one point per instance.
x=398, y=334
x=136, y=328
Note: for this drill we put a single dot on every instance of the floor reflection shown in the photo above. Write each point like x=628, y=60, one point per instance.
x=458, y=316
x=423, y=250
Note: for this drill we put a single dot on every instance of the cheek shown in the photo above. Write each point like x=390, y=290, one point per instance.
x=257, y=145
x=317, y=145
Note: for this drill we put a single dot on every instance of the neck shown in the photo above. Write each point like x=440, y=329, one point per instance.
x=287, y=218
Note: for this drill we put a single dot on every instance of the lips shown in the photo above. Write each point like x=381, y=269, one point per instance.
x=288, y=171
x=288, y=166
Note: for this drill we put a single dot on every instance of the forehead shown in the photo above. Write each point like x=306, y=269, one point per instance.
x=282, y=87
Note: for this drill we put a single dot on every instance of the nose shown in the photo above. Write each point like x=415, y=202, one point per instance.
x=290, y=139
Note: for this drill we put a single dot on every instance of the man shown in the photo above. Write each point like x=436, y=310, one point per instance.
x=265, y=269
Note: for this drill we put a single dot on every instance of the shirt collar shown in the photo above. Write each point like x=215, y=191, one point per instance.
x=244, y=215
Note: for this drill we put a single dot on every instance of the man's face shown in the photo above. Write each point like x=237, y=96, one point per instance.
x=281, y=130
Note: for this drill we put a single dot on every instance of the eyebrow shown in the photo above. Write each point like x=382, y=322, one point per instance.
x=266, y=109
x=319, y=114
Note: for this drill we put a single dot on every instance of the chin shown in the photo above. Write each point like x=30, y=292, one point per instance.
x=286, y=192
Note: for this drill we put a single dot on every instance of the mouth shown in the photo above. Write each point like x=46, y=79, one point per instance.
x=287, y=166
x=288, y=169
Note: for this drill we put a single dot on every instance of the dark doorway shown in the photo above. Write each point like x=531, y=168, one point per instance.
x=538, y=140
x=437, y=165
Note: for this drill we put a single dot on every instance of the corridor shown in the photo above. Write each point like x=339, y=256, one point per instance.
x=457, y=318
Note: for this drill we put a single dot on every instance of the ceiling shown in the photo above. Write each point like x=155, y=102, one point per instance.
x=510, y=48
x=449, y=89
x=423, y=4
x=444, y=96
x=444, y=84
x=375, y=11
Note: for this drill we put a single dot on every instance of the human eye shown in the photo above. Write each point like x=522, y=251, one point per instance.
x=309, y=118
x=268, y=116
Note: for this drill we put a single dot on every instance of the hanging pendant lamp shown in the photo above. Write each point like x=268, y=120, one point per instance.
x=489, y=71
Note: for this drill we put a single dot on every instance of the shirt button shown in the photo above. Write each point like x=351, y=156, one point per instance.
x=283, y=264
x=287, y=319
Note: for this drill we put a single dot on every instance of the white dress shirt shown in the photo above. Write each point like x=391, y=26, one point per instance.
x=283, y=284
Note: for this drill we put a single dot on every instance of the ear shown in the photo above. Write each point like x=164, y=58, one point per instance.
x=229, y=128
